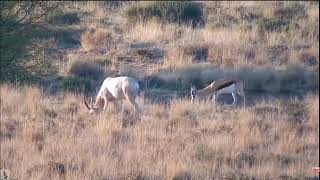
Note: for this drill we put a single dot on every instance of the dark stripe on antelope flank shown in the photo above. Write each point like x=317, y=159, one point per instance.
x=229, y=83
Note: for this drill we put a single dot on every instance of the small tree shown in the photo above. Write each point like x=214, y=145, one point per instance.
x=18, y=28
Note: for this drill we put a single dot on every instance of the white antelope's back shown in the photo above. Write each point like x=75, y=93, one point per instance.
x=116, y=88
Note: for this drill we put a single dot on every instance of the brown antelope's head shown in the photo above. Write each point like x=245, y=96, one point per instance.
x=92, y=109
x=193, y=92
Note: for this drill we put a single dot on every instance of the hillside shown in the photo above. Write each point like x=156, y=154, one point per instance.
x=48, y=63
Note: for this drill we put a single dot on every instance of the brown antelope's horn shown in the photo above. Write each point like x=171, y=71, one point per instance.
x=85, y=102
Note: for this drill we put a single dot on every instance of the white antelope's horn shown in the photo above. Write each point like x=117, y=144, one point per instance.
x=85, y=102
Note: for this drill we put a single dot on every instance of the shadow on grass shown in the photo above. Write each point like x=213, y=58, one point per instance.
x=260, y=82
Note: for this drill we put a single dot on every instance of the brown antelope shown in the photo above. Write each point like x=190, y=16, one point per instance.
x=113, y=89
x=220, y=86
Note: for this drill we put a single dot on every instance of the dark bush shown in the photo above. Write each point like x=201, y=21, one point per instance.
x=294, y=10
x=102, y=61
x=23, y=44
x=86, y=70
x=168, y=11
x=59, y=17
x=76, y=84
x=272, y=24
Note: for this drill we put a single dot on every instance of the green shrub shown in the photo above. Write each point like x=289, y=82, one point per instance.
x=59, y=17
x=102, y=61
x=291, y=11
x=168, y=11
x=76, y=84
x=84, y=69
x=204, y=152
x=67, y=38
x=22, y=43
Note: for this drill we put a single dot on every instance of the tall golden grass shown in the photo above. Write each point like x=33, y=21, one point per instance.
x=53, y=137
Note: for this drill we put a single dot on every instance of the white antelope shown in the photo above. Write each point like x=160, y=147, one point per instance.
x=113, y=89
x=221, y=86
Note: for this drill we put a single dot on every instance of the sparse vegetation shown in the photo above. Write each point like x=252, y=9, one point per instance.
x=66, y=49
x=76, y=84
x=58, y=17
x=18, y=35
x=86, y=69
x=167, y=11
x=95, y=40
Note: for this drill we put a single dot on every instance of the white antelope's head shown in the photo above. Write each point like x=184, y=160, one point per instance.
x=92, y=109
x=193, y=91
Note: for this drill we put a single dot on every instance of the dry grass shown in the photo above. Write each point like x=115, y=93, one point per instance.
x=151, y=31
x=96, y=40
x=236, y=34
x=85, y=66
x=54, y=137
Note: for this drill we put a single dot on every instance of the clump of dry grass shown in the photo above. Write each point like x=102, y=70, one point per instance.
x=96, y=40
x=196, y=140
x=177, y=58
x=86, y=67
x=86, y=70
x=150, y=31
x=308, y=57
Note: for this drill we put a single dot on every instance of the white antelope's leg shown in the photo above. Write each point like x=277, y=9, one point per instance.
x=216, y=97
x=105, y=104
x=135, y=106
x=132, y=101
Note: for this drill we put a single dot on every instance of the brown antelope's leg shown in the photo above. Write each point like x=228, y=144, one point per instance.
x=214, y=97
x=240, y=91
x=244, y=98
x=234, y=95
